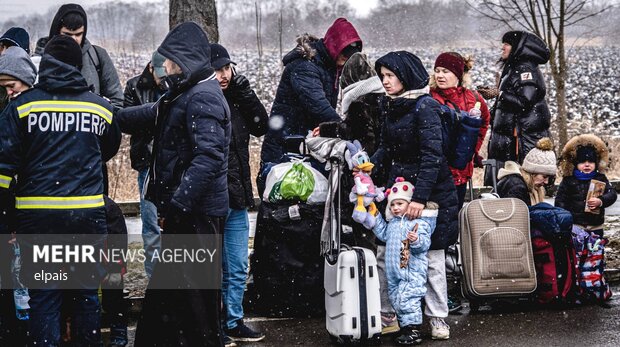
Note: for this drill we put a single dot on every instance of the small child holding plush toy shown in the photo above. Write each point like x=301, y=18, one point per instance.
x=407, y=242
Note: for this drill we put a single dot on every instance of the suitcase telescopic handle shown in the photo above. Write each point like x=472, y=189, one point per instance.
x=493, y=164
x=332, y=256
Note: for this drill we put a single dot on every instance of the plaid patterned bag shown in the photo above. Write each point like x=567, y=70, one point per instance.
x=590, y=252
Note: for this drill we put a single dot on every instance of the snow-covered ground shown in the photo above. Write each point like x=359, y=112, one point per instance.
x=593, y=85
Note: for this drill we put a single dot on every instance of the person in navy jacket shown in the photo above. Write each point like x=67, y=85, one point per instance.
x=411, y=146
x=188, y=184
x=55, y=138
x=308, y=89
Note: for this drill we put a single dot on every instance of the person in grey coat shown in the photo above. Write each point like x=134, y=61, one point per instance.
x=97, y=67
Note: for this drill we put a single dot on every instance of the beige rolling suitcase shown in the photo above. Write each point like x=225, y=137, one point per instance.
x=496, y=250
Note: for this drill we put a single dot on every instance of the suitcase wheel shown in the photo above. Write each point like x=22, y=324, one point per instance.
x=474, y=306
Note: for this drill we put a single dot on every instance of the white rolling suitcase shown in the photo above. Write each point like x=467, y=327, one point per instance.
x=352, y=301
x=351, y=282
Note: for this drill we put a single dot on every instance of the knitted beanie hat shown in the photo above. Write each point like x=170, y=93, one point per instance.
x=16, y=64
x=541, y=160
x=453, y=62
x=17, y=37
x=402, y=190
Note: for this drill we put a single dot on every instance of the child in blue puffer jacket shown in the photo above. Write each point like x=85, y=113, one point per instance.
x=407, y=242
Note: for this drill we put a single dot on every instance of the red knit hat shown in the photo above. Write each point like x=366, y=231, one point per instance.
x=453, y=62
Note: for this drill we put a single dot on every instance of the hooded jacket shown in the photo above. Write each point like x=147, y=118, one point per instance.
x=572, y=192
x=141, y=90
x=97, y=67
x=15, y=62
x=55, y=138
x=191, y=125
x=411, y=144
x=521, y=105
x=307, y=92
x=406, y=268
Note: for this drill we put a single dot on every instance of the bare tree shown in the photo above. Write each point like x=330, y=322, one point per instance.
x=548, y=19
x=280, y=32
x=202, y=12
x=259, y=25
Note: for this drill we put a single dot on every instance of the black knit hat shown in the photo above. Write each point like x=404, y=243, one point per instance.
x=512, y=38
x=65, y=49
x=586, y=153
x=17, y=37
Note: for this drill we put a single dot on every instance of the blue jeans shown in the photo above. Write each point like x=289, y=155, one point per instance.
x=235, y=264
x=44, y=323
x=150, y=230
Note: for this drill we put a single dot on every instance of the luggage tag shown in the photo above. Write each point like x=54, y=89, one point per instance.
x=293, y=212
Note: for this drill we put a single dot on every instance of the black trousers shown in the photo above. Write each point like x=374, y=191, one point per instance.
x=182, y=317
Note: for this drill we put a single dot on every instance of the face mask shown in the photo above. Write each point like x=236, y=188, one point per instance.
x=171, y=81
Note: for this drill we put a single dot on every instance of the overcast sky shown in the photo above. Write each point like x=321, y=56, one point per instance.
x=11, y=8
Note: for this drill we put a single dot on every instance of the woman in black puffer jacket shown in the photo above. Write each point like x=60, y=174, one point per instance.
x=520, y=116
x=411, y=146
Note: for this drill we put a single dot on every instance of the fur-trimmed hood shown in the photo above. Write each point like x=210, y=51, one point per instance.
x=305, y=48
x=510, y=168
x=570, y=152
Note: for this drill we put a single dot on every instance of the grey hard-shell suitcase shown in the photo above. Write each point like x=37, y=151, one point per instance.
x=351, y=282
x=496, y=250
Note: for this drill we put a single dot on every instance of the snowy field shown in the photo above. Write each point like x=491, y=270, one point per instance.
x=593, y=94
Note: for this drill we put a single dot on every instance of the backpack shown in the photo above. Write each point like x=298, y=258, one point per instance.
x=556, y=275
x=554, y=254
x=460, y=133
x=590, y=261
x=93, y=54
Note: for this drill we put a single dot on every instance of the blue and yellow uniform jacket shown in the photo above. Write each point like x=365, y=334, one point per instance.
x=54, y=139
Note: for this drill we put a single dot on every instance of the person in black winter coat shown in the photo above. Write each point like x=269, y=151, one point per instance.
x=361, y=93
x=411, y=146
x=142, y=89
x=248, y=117
x=188, y=184
x=308, y=89
x=584, y=158
x=520, y=116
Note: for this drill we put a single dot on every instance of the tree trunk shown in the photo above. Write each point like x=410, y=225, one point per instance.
x=202, y=12
x=562, y=119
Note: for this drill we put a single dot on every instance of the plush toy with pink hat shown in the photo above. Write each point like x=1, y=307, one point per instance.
x=364, y=193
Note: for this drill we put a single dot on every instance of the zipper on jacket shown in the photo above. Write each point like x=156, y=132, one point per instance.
x=241, y=180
